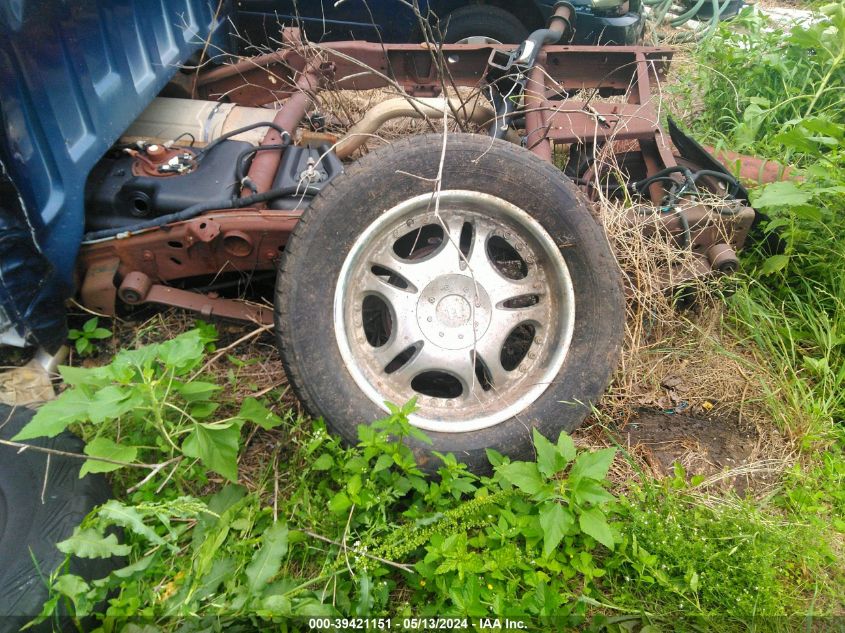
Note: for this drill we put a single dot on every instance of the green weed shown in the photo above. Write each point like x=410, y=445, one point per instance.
x=84, y=339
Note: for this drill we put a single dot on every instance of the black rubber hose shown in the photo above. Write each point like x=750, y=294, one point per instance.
x=282, y=132
x=239, y=161
x=504, y=107
x=719, y=175
x=202, y=207
x=642, y=184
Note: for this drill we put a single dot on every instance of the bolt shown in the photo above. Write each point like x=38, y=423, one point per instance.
x=460, y=336
x=148, y=256
x=441, y=334
x=429, y=319
x=358, y=321
x=431, y=299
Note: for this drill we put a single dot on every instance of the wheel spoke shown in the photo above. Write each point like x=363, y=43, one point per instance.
x=506, y=319
x=418, y=273
x=488, y=349
x=397, y=344
x=433, y=358
x=403, y=301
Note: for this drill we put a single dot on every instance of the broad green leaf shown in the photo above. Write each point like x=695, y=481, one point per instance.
x=555, y=522
x=383, y=461
x=125, y=574
x=524, y=475
x=128, y=361
x=225, y=499
x=221, y=570
x=201, y=410
x=182, y=352
x=90, y=325
x=257, y=413
x=82, y=345
x=217, y=448
x=549, y=461
x=805, y=212
x=593, y=465
x=594, y=523
x=93, y=376
x=130, y=518
x=197, y=390
x=100, y=333
x=566, y=446
x=89, y=543
x=107, y=449
x=267, y=560
x=364, y=604
x=781, y=194
x=774, y=263
x=494, y=457
x=76, y=589
x=276, y=605
x=340, y=503
x=323, y=462
x=54, y=417
x=590, y=491
x=111, y=402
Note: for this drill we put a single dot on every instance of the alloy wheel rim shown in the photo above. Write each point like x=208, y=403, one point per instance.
x=469, y=308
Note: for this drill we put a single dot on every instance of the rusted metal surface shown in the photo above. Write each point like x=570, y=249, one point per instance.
x=753, y=169
x=226, y=241
x=538, y=118
x=138, y=288
x=98, y=290
x=366, y=65
x=264, y=166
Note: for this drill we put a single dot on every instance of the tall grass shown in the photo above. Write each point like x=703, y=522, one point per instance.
x=782, y=96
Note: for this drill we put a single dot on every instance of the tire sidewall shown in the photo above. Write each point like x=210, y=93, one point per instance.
x=484, y=21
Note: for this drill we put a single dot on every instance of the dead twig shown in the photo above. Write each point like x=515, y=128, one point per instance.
x=259, y=330
x=52, y=451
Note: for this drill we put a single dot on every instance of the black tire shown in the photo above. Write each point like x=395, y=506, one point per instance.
x=29, y=529
x=311, y=265
x=484, y=21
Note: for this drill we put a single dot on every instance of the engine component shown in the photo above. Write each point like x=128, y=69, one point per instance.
x=122, y=189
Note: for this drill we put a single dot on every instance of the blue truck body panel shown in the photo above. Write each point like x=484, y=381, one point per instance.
x=74, y=74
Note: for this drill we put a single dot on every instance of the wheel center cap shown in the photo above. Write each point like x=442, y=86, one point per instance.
x=450, y=308
x=453, y=311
